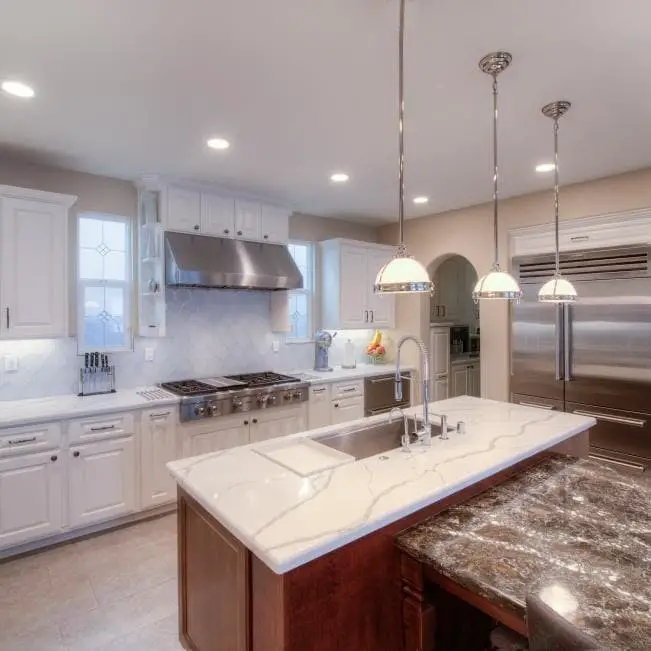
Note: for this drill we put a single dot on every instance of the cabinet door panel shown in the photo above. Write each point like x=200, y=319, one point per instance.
x=216, y=434
x=274, y=225
x=159, y=446
x=320, y=406
x=474, y=381
x=440, y=351
x=277, y=422
x=183, y=210
x=217, y=215
x=247, y=220
x=347, y=409
x=101, y=481
x=440, y=388
x=354, y=292
x=31, y=497
x=33, y=280
x=382, y=308
x=459, y=381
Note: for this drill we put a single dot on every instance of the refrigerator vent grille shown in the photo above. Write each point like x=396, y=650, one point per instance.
x=590, y=265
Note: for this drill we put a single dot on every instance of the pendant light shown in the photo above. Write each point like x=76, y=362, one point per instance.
x=558, y=289
x=496, y=283
x=402, y=274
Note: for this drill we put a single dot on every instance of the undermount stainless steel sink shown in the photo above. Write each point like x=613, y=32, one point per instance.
x=369, y=441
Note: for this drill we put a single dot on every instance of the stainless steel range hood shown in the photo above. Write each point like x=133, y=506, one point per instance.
x=216, y=262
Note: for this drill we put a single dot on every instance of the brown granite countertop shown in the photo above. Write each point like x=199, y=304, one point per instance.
x=575, y=532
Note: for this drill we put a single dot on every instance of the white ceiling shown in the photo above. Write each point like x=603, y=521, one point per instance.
x=303, y=88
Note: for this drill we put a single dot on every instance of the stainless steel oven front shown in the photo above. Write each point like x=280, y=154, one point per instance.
x=379, y=393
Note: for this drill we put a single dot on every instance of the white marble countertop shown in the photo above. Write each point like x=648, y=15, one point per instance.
x=35, y=410
x=288, y=520
x=338, y=374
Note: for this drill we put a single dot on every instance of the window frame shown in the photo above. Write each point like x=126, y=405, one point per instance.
x=127, y=285
x=310, y=292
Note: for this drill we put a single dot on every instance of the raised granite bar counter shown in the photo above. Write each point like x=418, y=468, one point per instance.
x=575, y=532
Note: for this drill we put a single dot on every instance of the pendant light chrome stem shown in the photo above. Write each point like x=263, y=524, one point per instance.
x=401, y=126
x=558, y=255
x=496, y=191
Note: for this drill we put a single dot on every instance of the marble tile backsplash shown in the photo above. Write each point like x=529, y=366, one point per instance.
x=208, y=333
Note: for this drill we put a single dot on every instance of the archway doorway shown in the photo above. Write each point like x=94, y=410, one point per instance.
x=454, y=322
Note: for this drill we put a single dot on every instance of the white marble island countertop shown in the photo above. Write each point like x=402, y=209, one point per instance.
x=287, y=519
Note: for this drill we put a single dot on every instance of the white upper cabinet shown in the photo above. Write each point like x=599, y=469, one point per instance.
x=33, y=263
x=206, y=212
x=274, y=225
x=247, y=220
x=183, y=209
x=348, y=271
x=439, y=351
x=217, y=215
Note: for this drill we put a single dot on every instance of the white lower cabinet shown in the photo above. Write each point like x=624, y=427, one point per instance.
x=474, y=381
x=320, y=406
x=159, y=445
x=214, y=434
x=278, y=422
x=31, y=497
x=440, y=388
x=459, y=381
x=101, y=480
x=346, y=409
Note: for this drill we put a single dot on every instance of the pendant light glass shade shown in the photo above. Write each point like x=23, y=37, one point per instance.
x=558, y=289
x=496, y=284
x=403, y=274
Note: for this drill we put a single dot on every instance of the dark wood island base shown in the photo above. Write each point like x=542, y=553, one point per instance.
x=348, y=600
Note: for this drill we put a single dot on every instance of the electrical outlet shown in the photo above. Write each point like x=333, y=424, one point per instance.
x=275, y=345
x=149, y=354
x=11, y=363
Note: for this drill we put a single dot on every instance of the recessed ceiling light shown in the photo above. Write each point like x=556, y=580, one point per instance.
x=17, y=88
x=218, y=143
x=339, y=177
x=421, y=199
x=545, y=167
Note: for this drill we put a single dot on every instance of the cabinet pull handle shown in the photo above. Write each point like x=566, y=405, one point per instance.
x=161, y=415
x=7, y=312
x=533, y=404
x=226, y=231
x=196, y=227
x=246, y=422
x=351, y=390
x=336, y=405
x=321, y=390
x=239, y=232
x=579, y=238
x=255, y=420
x=372, y=316
x=53, y=457
x=620, y=420
x=618, y=462
x=365, y=316
x=75, y=453
x=30, y=439
x=104, y=428
x=266, y=237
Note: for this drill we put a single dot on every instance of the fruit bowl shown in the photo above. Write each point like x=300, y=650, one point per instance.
x=376, y=359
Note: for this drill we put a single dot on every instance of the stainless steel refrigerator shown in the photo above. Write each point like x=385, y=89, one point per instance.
x=592, y=357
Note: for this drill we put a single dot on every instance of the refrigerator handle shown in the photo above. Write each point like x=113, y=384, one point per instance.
x=559, y=345
x=567, y=343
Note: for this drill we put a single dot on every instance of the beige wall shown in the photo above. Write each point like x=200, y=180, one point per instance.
x=468, y=232
x=316, y=229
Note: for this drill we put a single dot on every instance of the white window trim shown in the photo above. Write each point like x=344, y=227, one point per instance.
x=127, y=284
x=310, y=292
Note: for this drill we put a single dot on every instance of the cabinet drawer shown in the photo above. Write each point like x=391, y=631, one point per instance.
x=348, y=389
x=29, y=438
x=101, y=427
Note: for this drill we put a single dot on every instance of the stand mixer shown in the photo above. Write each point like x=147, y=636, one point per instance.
x=323, y=341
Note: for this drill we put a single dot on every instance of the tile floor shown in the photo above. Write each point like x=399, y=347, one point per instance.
x=114, y=592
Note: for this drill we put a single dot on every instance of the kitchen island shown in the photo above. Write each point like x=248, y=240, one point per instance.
x=273, y=558
x=572, y=532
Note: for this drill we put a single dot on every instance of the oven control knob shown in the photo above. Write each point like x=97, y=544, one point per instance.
x=271, y=400
x=237, y=403
x=262, y=399
x=214, y=410
x=287, y=396
x=297, y=394
x=199, y=411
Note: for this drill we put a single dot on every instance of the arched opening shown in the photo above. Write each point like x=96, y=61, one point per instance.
x=454, y=328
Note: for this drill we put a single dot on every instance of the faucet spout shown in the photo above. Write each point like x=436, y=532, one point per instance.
x=424, y=375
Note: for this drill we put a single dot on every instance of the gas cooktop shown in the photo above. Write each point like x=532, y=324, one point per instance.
x=219, y=396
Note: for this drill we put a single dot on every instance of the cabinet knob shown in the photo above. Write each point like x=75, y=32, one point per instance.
x=246, y=422
x=75, y=453
x=255, y=420
x=239, y=232
x=266, y=237
x=336, y=405
x=226, y=231
x=53, y=457
x=196, y=227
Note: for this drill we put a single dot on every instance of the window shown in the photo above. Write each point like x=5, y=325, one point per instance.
x=104, y=290
x=301, y=300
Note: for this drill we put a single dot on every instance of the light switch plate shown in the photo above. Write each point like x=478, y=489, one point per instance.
x=149, y=354
x=275, y=345
x=11, y=363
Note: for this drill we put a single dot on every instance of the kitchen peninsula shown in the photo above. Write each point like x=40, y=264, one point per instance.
x=286, y=546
